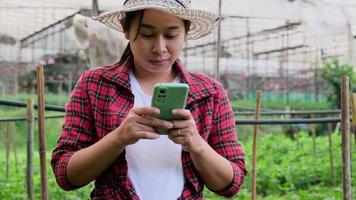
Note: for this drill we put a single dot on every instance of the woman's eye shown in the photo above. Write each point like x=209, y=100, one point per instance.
x=146, y=35
x=171, y=36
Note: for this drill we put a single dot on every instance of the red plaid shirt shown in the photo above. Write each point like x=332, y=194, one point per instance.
x=101, y=100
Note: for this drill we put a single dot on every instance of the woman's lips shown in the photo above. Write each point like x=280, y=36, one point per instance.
x=159, y=62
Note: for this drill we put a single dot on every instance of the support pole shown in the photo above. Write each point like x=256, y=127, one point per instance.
x=313, y=127
x=218, y=46
x=350, y=49
x=345, y=126
x=41, y=134
x=29, y=168
x=254, y=155
x=95, y=8
x=7, y=150
x=331, y=158
x=13, y=145
x=353, y=112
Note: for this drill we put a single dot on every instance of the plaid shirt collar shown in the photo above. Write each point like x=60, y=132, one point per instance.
x=197, y=89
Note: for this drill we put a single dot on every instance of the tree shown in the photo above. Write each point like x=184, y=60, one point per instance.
x=332, y=72
x=61, y=73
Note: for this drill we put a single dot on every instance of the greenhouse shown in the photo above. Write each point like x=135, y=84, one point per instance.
x=294, y=51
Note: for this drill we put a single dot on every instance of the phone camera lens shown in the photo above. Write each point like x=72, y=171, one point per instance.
x=161, y=91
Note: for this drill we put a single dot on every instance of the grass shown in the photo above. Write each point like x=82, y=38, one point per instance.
x=14, y=187
x=281, y=105
x=50, y=98
x=285, y=170
x=55, y=99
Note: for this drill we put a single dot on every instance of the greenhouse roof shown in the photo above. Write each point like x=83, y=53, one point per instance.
x=325, y=24
x=21, y=18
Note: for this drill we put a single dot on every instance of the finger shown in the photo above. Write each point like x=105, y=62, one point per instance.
x=155, y=122
x=176, y=133
x=148, y=135
x=143, y=111
x=185, y=114
x=177, y=140
x=179, y=124
x=143, y=127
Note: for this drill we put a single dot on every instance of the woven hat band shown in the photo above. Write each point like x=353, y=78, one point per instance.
x=179, y=4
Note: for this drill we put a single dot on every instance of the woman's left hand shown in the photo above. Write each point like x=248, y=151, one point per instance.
x=185, y=133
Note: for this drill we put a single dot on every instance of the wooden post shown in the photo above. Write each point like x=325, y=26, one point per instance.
x=218, y=46
x=332, y=169
x=352, y=102
x=94, y=8
x=297, y=139
x=7, y=150
x=345, y=126
x=353, y=113
x=254, y=155
x=13, y=144
x=29, y=168
x=313, y=127
x=42, y=140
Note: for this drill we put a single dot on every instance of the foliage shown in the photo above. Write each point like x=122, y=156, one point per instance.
x=281, y=105
x=284, y=171
x=50, y=98
x=15, y=188
x=291, y=171
x=61, y=73
x=332, y=72
x=58, y=99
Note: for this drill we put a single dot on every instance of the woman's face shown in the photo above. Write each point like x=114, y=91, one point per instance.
x=158, y=43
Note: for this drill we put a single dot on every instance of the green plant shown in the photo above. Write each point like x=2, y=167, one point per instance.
x=280, y=104
x=332, y=72
x=286, y=169
x=61, y=73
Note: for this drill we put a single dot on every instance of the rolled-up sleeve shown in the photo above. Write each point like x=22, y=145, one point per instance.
x=77, y=132
x=224, y=141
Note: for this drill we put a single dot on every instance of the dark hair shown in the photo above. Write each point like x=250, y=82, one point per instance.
x=128, y=18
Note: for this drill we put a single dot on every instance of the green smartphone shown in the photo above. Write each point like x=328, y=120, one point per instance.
x=168, y=96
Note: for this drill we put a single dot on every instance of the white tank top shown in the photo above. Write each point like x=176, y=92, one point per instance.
x=154, y=166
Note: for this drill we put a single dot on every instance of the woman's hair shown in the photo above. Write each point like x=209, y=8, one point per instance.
x=128, y=18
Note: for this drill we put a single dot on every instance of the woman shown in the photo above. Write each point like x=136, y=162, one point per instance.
x=109, y=134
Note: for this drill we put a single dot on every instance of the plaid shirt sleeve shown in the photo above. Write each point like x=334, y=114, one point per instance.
x=224, y=141
x=77, y=132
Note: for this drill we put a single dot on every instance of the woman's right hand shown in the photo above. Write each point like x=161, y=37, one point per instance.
x=140, y=123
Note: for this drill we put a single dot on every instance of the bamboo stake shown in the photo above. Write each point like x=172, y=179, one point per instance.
x=352, y=126
x=353, y=112
x=42, y=140
x=218, y=46
x=314, y=137
x=254, y=155
x=297, y=140
x=29, y=169
x=13, y=144
x=332, y=168
x=7, y=150
x=345, y=124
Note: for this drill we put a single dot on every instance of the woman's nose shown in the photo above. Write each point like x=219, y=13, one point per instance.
x=159, y=46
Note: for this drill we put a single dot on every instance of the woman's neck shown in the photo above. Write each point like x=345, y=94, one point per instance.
x=147, y=80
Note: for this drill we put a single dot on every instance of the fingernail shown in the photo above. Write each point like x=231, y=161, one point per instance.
x=169, y=125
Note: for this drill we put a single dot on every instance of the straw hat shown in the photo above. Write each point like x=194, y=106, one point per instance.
x=202, y=22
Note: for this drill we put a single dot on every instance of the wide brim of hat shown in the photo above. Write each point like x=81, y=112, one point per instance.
x=202, y=22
